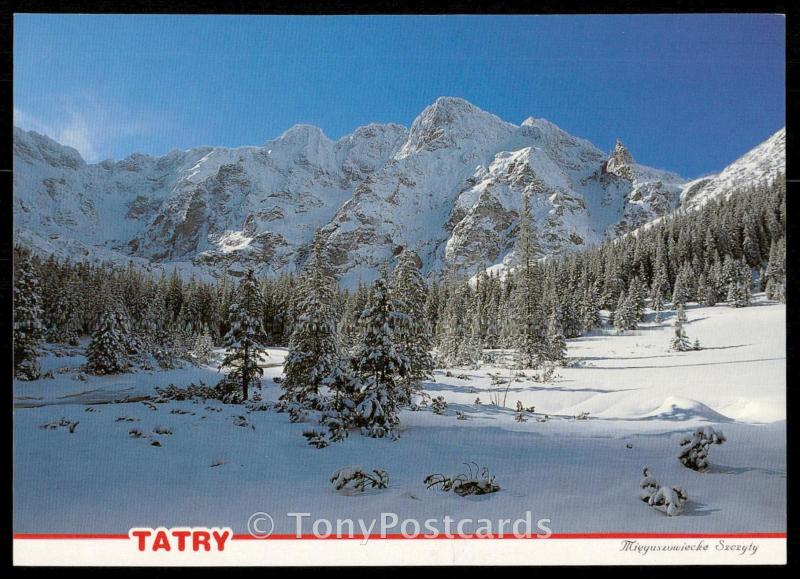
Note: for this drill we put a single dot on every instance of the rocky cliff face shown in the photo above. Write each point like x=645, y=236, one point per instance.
x=452, y=188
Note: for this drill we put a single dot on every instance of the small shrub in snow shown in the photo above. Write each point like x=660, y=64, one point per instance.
x=460, y=415
x=192, y=392
x=438, y=405
x=241, y=421
x=135, y=433
x=256, y=406
x=520, y=413
x=582, y=416
x=126, y=419
x=695, y=447
x=229, y=390
x=668, y=500
x=356, y=478
x=62, y=423
x=478, y=401
x=463, y=377
x=316, y=438
x=547, y=373
x=476, y=481
x=162, y=430
x=296, y=412
x=696, y=345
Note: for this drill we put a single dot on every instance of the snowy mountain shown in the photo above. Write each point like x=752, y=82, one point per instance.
x=761, y=164
x=451, y=188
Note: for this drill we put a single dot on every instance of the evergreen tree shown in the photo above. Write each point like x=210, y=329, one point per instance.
x=658, y=304
x=636, y=298
x=776, y=271
x=314, y=344
x=680, y=314
x=202, y=347
x=28, y=329
x=624, y=317
x=244, y=342
x=680, y=342
x=108, y=350
x=680, y=293
x=739, y=284
x=529, y=340
x=414, y=339
x=556, y=343
x=590, y=308
x=378, y=362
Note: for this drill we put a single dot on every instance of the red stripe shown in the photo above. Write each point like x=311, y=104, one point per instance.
x=73, y=536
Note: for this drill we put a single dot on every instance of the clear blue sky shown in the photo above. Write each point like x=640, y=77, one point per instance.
x=686, y=93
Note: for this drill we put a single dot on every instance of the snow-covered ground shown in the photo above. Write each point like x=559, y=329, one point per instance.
x=581, y=474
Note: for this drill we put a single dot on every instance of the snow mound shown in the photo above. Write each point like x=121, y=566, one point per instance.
x=677, y=408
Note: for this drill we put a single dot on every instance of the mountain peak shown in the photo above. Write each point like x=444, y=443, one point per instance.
x=303, y=134
x=620, y=161
x=451, y=122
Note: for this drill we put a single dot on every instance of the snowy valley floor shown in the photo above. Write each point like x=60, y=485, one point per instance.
x=580, y=474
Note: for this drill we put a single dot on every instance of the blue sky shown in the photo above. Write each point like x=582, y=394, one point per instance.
x=686, y=93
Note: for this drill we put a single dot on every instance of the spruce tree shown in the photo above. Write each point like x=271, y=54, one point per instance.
x=776, y=271
x=740, y=281
x=636, y=298
x=314, y=343
x=108, y=350
x=556, y=343
x=624, y=317
x=529, y=339
x=414, y=339
x=244, y=342
x=680, y=342
x=28, y=328
x=658, y=304
x=379, y=363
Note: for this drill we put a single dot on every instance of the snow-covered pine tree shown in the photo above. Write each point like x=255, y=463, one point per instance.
x=314, y=343
x=624, y=317
x=348, y=325
x=244, y=342
x=529, y=339
x=590, y=308
x=556, y=343
x=107, y=352
x=657, y=304
x=776, y=271
x=680, y=341
x=680, y=314
x=680, y=293
x=739, y=284
x=378, y=363
x=202, y=347
x=453, y=324
x=636, y=293
x=414, y=339
x=28, y=329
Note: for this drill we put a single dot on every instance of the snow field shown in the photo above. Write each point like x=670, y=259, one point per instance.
x=581, y=474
